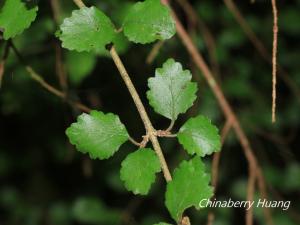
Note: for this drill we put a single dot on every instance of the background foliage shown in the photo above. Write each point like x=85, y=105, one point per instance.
x=43, y=180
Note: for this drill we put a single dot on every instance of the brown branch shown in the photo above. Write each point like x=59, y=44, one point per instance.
x=215, y=167
x=216, y=156
x=247, y=29
x=134, y=141
x=263, y=194
x=198, y=60
x=60, y=69
x=207, y=35
x=79, y=3
x=154, y=52
x=56, y=10
x=274, y=59
x=43, y=83
x=250, y=194
x=40, y=80
x=59, y=66
x=215, y=87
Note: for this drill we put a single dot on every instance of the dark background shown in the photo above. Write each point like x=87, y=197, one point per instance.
x=44, y=180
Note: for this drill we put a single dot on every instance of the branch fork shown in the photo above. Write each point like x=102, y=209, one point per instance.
x=156, y=133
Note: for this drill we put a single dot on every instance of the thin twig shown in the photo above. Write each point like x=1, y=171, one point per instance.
x=207, y=35
x=263, y=51
x=79, y=3
x=216, y=157
x=151, y=132
x=274, y=59
x=43, y=83
x=59, y=66
x=154, y=52
x=247, y=29
x=60, y=69
x=250, y=194
x=257, y=43
x=143, y=114
x=224, y=104
x=134, y=141
x=260, y=47
x=170, y=135
x=263, y=194
x=215, y=167
x=40, y=80
x=165, y=133
x=56, y=10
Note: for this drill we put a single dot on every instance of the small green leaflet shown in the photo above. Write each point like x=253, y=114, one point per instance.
x=198, y=136
x=98, y=134
x=16, y=16
x=171, y=90
x=189, y=186
x=138, y=170
x=149, y=21
x=87, y=29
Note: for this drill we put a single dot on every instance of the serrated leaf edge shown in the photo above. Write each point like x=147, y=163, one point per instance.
x=157, y=71
x=217, y=149
x=79, y=118
x=126, y=183
x=25, y=27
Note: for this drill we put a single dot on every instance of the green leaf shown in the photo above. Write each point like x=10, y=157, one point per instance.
x=16, y=16
x=98, y=134
x=149, y=21
x=189, y=186
x=138, y=170
x=198, y=136
x=79, y=65
x=87, y=29
x=171, y=90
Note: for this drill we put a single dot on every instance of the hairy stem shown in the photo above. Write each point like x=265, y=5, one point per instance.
x=261, y=48
x=79, y=3
x=143, y=114
x=274, y=59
